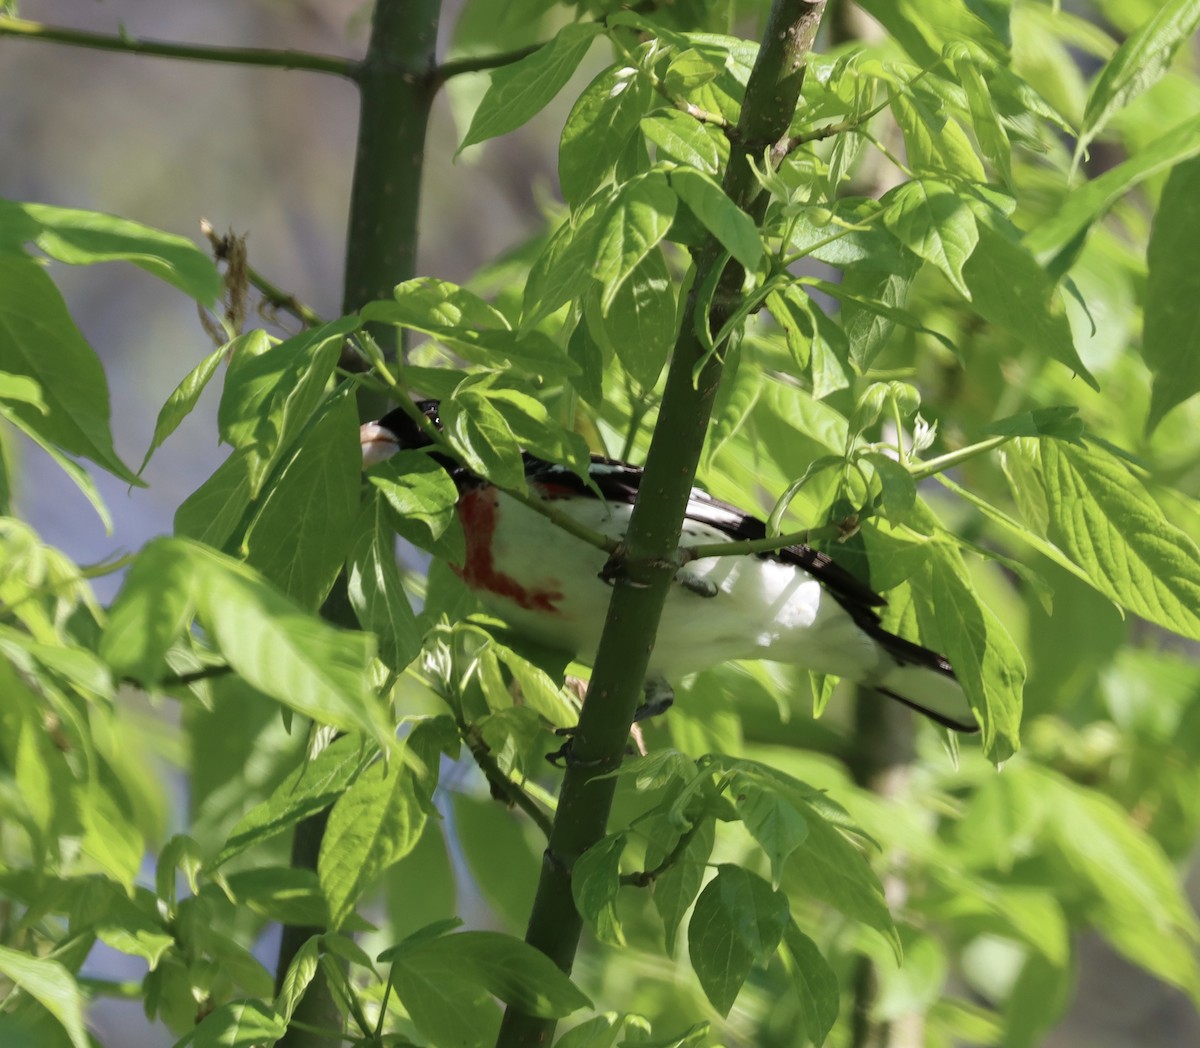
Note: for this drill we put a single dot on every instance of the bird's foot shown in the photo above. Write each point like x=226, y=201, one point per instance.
x=658, y=698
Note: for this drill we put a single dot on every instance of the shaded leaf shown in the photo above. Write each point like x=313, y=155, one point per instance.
x=522, y=89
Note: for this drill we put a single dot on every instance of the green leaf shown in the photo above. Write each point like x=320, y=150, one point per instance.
x=595, y=885
x=300, y=973
x=296, y=541
x=1062, y=422
x=986, y=661
x=447, y=983
x=269, y=397
x=1011, y=290
x=84, y=237
x=373, y=825
x=308, y=789
x=39, y=341
x=285, y=894
x=828, y=867
x=22, y=389
x=110, y=839
x=287, y=654
x=213, y=512
x=460, y=319
x=239, y=1024
x=522, y=89
x=184, y=397
x=772, y=820
x=934, y=142
x=639, y=217
x=1140, y=907
x=676, y=889
x=422, y=498
x=52, y=986
x=564, y=270
x=483, y=439
x=152, y=610
x=1057, y=239
x=867, y=329
x=1139, y=63
x=816, y=985
x=738, y=922
x=989, y=131
x=934, y=222
x=537, y=432
x=682, y=139
x=720, y=216
x=1102, y=517
x=376, y=590
x=1171, y=336
x=599, y=129
x=640, y=326
x=79, y=476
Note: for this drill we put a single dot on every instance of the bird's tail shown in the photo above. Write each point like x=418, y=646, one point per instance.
x=923, y=680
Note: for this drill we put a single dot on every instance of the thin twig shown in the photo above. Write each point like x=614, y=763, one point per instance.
x=644, y=878
x=126, y=44
x=496, y=778
x=479, y=63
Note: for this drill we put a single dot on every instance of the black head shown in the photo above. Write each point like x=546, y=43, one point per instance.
x=404, y=428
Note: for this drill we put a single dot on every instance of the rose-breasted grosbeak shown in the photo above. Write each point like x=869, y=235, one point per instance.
x=793, y=605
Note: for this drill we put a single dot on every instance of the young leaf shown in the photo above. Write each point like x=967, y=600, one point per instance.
x=39, y=341
x=1011, y=290
x=595, y=885
x=816, y=985
x=212, y=513
x=422, y=498
x=640, y=325
x=296, y=541
x=564, y=271
x=310, y=788
x=268, y=398
x=52, y=986
x=721, y=216
x=152, y=610
x=184, y=397
x=933, y=221
x=598, y=129
x=376, y=590
x=1171, y=337
x=987, y=663
x=522, y=89
x=1056, y=241
x=683, y=140
x=1140, y=62
x=483, y=439
x=446, y=985
x=773, y=821
x=1102, y=517
x=84, y=237
x=737, y=923
x=640, y=216
x=374, y=824
x=676, y=889
x=239, y=1024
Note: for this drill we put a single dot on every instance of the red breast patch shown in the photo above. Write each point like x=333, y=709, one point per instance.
x=477, y=510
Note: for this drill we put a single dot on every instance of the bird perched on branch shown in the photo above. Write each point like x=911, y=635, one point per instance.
x=793, y=605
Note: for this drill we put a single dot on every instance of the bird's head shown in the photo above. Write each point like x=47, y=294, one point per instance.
x=396, y=431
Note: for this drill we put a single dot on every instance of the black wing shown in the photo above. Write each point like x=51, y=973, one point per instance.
x=619, y=482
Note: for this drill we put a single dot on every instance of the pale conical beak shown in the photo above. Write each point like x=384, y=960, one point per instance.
x=378, y=443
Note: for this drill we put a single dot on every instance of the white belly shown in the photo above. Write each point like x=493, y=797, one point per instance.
x=763, y=608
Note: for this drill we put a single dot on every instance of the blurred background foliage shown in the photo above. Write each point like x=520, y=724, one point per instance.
x=1003, y=880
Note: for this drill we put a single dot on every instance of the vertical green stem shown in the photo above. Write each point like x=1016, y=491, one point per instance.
x=624, y=653
x=396, y=82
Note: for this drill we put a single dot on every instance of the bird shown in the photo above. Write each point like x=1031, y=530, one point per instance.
x=792, y=605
